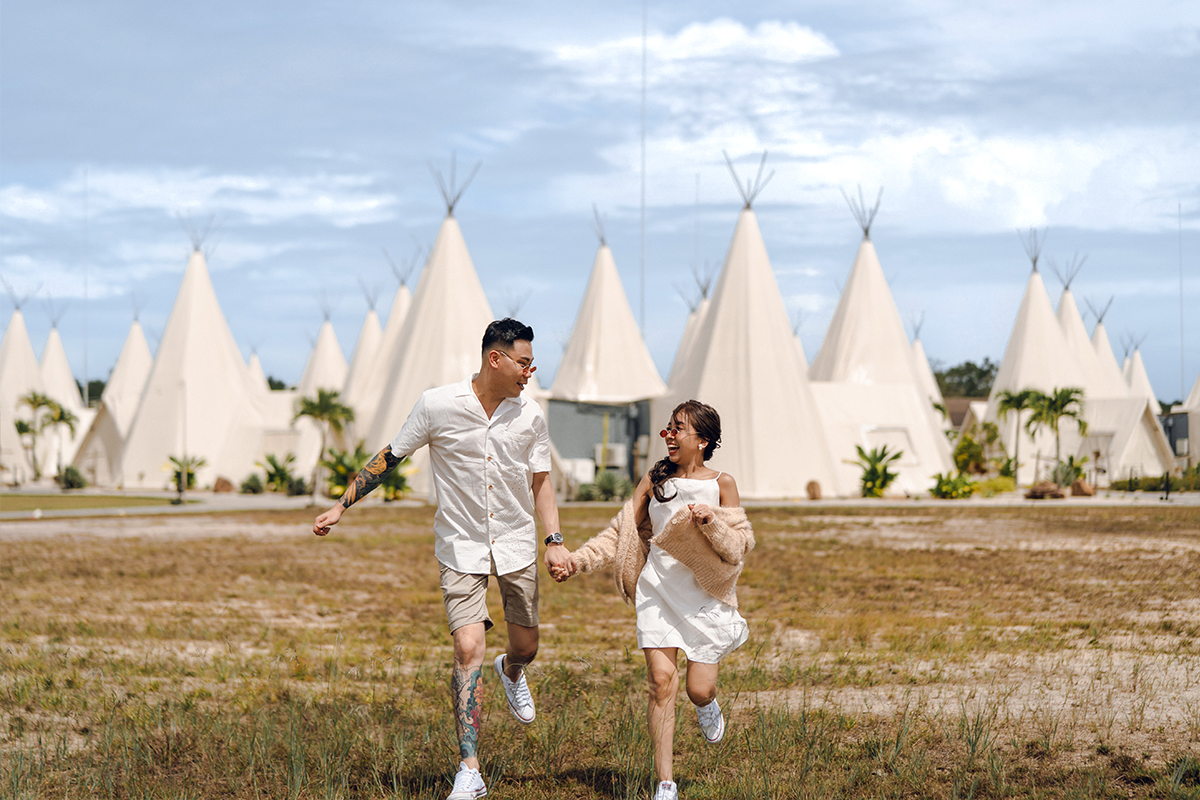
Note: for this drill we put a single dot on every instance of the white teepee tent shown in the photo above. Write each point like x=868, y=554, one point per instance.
x=364, y=397
x=19, y=375
x=1113, y=381
x=869, y=388
x=366, y=354
x=1037, y=357
x=745, y=364
x=1097, y=381
x=60, y=386
x=99, y=454
x=605, y=360
x=326, y=367
x=866, y=342
x=1193, y=398
x=199, y=400
x=1139, y=381
x=439, y=342
x=925, y=372
x=258, y=378
x=687, y=341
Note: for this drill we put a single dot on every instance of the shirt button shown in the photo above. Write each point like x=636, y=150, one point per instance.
x=489, y=486
x=491, y=515
x=489, y=458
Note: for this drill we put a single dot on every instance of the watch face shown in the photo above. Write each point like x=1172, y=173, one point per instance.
x=554, y=538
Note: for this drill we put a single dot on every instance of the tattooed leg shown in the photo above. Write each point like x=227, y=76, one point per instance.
x=370, y=476
x=467, y=685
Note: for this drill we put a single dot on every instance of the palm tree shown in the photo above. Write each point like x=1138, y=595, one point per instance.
x=1017, y=402
x=56, y=417
x=330, y=414
x=1049, y=410
x=37, y=403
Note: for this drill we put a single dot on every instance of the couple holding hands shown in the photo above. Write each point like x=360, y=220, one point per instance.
x=677, y=547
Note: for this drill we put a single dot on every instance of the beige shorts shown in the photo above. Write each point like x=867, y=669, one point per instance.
x=465, y=597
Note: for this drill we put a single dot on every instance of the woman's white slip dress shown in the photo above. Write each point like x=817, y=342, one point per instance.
x=672, y=609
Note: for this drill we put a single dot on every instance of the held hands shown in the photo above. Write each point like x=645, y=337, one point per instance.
x=560, y=563
x=328, y=520
x=701, y=513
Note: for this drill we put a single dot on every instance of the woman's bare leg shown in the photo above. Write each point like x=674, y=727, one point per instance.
x=702, y=682
x=663, y=678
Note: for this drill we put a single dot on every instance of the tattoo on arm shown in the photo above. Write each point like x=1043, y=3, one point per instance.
x=370, y=476
x=467, y=688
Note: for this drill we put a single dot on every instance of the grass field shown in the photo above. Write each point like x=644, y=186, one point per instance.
x=922, y=652
x=59, y=502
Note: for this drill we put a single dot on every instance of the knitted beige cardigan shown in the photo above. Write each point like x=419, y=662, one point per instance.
x=714, y=552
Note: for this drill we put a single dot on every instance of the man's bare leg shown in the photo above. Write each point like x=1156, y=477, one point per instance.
x=522, y=649
x=466, y=686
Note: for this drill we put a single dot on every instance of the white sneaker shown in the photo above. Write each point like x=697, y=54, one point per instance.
x=712, y=722
x=667, y=790
x=520, y=701
x=468, y=784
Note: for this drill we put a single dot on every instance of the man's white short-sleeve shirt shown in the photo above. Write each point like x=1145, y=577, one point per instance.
x=483, y=475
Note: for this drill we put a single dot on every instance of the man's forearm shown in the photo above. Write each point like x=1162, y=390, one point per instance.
x=370, y=476
x=546, y=505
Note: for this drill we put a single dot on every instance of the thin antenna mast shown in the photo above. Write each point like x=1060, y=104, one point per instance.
x=86, y=258
x=642, y=248
x=1182, y=376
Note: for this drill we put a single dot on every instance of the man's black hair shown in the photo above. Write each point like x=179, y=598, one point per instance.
x=503, y=332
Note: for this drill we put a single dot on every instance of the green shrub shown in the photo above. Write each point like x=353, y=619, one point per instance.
x=611, y=485
x=876, y=476
x=952, y=487
x=343, y=467
x=253, y=484
x=1067, y=472
x=188, y=464
x=994, y=486
x=298, y=486
x=1150, y=484
x=70, y=478
x=279, y=473
x=586, y=492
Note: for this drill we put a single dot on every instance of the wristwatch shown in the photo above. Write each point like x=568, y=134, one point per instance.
x=554, y=538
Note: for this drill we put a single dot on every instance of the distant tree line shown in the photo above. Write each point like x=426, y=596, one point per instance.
x=967, y=379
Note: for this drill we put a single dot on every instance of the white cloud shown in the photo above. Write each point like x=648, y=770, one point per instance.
x=340, y=200
x=696, y=52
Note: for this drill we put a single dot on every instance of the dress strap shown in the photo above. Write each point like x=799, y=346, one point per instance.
x=719, y=474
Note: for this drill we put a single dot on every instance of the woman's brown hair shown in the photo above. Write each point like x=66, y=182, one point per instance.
x=706, y=422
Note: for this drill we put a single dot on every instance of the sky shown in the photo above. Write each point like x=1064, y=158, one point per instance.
x=301, y=137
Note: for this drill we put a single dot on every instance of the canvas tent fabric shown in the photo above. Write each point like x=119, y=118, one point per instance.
x=326, y=367
x=1139, y=381
x=20, y=374
x=99, y=454
x=1036, y=357
x=687, y=341
x=1193, y=399
x=199, y=400
x=60, y=386
x=866, y=342
x=365, y=399
x=745, y=364
x=1108, y=362
x=885, y=414
x=258, y=378
x=1097, y=381
x=366, y=351
x=438, y=344
x=606, y=360
x=925, y=372
x=1127, y=436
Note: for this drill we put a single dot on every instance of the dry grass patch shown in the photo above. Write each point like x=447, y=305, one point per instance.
x=941, y=652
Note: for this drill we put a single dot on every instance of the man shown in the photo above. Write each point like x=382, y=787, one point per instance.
x=489, y=450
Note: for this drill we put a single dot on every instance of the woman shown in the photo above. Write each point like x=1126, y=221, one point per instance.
x=679, y=545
